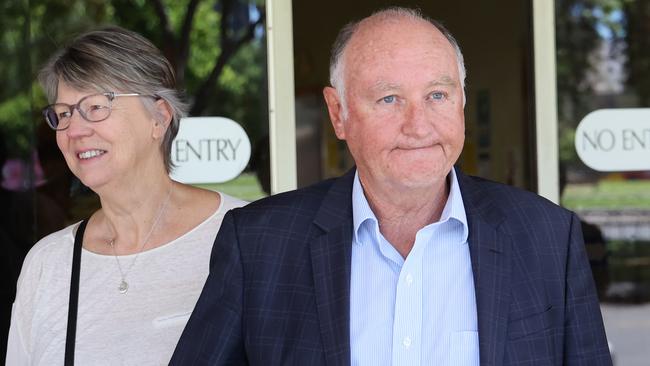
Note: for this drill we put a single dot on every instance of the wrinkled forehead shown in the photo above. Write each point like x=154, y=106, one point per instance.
x=93, y=75
x=91, y=85
x=71, y=92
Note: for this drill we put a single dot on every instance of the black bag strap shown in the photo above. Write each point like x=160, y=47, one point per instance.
x=74, y=295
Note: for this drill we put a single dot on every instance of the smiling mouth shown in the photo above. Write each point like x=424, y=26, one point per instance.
x=90, y=154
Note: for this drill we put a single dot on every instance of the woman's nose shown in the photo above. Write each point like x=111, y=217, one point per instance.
x=78, y=126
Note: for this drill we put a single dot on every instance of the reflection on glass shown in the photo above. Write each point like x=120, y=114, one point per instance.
x=602, y=62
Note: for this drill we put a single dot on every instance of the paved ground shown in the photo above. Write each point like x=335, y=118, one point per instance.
x=628, y=331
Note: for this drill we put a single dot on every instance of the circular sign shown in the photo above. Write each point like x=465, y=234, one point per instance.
x=209, y=150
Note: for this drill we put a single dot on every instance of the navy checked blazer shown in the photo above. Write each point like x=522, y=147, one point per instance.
x=278, y=292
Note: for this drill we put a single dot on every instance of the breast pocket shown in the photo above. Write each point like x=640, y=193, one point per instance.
x=534, y=322
x=464, y=349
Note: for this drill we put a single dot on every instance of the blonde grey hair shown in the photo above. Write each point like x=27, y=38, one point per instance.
x=119, y=60
x=337, y=64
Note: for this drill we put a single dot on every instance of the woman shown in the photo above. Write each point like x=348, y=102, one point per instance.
x=146, y=251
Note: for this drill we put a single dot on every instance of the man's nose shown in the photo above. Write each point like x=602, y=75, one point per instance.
x=416, y=121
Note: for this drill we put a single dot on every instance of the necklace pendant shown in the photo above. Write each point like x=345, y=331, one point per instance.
x=124, y=287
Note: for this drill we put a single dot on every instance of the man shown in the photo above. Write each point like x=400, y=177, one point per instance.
x=403, y=261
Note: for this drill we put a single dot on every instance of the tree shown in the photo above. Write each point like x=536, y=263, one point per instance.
x=216, y=46
x=577, y=37
x=637, y=38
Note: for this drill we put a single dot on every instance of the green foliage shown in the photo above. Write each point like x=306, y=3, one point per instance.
x=205, y=41
x=577, y=37
x=29, y=35
x=637, y=14
x=566, y=144
x=31, y=31
x=608, y=194
x=629, y=261
x=245, y=187
x=14, y=113
x=243, y=82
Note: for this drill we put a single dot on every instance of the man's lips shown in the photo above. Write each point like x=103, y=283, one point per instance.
x=418, y=147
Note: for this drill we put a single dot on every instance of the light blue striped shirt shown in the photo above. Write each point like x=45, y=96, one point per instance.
x=415, y=311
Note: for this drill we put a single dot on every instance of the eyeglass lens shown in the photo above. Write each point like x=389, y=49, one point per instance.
x=93, y=108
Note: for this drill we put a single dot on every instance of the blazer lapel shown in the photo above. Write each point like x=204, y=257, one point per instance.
x=331, y=254
x=490, y=252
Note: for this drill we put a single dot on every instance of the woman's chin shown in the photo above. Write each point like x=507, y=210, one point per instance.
x=95, y=183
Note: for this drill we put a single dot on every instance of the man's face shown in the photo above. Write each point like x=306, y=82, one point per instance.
x=405, y=124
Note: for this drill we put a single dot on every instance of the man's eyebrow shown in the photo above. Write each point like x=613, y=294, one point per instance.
x=385, y=86
x=443, y=81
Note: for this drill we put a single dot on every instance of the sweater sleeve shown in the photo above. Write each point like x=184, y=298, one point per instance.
x=17, y=353
x=22, y=310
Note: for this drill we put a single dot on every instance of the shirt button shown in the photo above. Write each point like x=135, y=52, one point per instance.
x=407, y=342
x=409, y=279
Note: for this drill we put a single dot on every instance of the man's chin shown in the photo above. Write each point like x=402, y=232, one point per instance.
x=419, y=181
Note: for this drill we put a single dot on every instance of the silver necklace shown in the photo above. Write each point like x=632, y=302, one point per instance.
x=124, y=286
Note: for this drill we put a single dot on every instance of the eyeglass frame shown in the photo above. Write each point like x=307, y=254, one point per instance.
x=110, y=95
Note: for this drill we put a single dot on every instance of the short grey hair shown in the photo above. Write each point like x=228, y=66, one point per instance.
x=337, y=66
x=116, y=59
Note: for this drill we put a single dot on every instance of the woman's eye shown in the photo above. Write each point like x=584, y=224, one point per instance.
x=388, y=99
x=96, y=107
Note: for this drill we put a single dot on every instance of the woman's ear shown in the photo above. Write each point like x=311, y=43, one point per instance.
x=162, y=118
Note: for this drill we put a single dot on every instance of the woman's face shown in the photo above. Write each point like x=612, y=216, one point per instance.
x=116, y=151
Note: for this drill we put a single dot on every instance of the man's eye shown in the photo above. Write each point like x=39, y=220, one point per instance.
x=438, y=95
x=388, y=99
x=64, y=114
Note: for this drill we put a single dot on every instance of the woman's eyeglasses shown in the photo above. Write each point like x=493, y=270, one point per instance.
x=92, y=108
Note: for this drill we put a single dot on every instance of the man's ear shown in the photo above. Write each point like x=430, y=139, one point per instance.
x=335, y=110
x=162, y=118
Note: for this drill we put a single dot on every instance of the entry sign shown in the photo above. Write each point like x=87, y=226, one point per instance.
x=209, y=150
x=618, y=140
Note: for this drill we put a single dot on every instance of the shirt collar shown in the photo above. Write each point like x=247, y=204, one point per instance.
x=454, y=207
x=361, y=211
